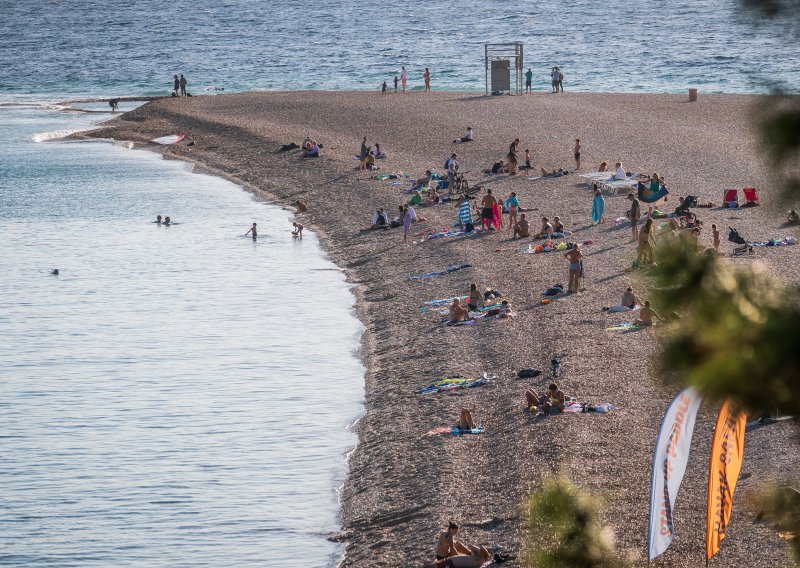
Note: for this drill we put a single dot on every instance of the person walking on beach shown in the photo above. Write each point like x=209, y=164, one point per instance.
x=577, y=151
x=528, y=80
x=383, y=88
x=403, y=77
x=362, y=156
x=554, y=79
x=560, y=80
x=427, y=77
x=395, y=83
x=253, y=230
x=634, y=214
x=183, y=86
x=407, y=219
x=575, y=258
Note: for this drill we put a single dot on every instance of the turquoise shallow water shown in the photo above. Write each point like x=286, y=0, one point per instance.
x=125, y=48
x=176, y=395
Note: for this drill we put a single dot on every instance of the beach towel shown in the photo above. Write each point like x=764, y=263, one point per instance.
x=625, y=326
x=786, y=241
x=646, y=196
x=620, y=308
x=455, y=383
x=575, y=407
x=447, y=270
x=497, y=217
x=598, y=208
x=454, y=431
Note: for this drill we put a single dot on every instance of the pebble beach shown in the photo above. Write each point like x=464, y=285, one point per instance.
x=403, y=486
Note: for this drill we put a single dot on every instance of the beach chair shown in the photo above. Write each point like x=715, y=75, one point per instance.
x=750, y=197
x=615, y=187
x=593, y=177
x=730, y=198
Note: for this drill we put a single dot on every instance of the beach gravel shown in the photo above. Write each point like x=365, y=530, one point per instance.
x=402, y=486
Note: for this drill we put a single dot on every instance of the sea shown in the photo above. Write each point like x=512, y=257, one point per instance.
x=183, y=395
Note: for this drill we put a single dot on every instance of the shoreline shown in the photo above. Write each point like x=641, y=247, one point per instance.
x=401, y=488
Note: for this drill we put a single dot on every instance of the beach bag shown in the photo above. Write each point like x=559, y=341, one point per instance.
x=528, y=373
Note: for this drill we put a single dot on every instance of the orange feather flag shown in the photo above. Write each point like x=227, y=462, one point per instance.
x=727, y=452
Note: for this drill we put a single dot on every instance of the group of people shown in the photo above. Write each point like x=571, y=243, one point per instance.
x=493, y=302
x=368, y=154
x=402, y=79
x=165, y=221
x=179, y=87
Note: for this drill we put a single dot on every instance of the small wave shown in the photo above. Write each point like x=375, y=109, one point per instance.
x=54, y=135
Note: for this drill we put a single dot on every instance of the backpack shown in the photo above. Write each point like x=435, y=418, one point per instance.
x=529, y=373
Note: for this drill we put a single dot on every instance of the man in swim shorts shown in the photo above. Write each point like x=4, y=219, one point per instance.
x=447, y=545
x=474, y=559
x=577, y=151
x=522, y=228
x=488, y=203
x=253, y=230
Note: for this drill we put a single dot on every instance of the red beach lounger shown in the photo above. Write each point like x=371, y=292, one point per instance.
x=750, y=196
x=731, y=198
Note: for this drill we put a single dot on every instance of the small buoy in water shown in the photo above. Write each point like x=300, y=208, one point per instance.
x=54, y=272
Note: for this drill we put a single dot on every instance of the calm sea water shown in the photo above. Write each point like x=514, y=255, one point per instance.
x=134, y=47
x=175, y=397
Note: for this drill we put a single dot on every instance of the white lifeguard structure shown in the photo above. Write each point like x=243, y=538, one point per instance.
x=499, y=59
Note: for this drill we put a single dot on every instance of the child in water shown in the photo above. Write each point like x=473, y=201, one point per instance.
x=298, y=230
x=253, y=230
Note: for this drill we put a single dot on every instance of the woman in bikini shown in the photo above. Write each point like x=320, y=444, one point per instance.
x=575, y=267
x=646, y=237
x=474, y=297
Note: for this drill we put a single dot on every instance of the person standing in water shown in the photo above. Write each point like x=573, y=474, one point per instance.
x=298, y=230
x=427, y=77
x=528, y=80
x=403, y=77
x=183, y=85
x=176, y=86
x=253, y=230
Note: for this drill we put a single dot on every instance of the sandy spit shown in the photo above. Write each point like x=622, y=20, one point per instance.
x=403, y=487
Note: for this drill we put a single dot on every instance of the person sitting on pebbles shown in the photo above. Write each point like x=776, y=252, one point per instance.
x=465, y=421
x=547, y=229
x=457, y=312
x=447, y=545
x=476, y=558
x=301, y=206
x=522, y=228
x=505, y=310
x=647, y=316
x=629, y=299
x=552, y=402
x=558, y=226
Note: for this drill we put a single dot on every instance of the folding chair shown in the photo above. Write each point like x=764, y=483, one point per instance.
x=730, y=198
x=750, y=197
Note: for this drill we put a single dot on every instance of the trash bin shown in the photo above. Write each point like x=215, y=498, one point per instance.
x=692, y=95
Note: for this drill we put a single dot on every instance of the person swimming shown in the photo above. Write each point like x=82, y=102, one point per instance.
x=166, y=221
x=253, y=230
x=54, y=272
x=158, y=219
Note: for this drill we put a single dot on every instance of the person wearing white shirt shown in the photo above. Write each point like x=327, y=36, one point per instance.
x=620, y=173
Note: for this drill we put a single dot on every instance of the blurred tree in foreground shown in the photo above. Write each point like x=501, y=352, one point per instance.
x=568, y=519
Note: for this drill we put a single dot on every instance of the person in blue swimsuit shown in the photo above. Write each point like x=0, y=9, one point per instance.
x=575, y=258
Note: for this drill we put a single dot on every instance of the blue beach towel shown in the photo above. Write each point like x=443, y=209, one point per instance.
x=598, y=208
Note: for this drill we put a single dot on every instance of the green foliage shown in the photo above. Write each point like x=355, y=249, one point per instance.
x=779, y=126
x=782, y=509
x=566, y=525
x=738, y=334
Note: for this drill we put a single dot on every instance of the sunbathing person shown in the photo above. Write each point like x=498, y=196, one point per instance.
x=629, y=299
x=379, y=153
x=619, y=173
x=466, y=138
x=505, y=310
x=522, y=228
x=794, y=217
x=422, y=182
x=474, y=297
x=553, y=173
x=447, y=545
x=552, y=402
x=603, y=167
x=465, y=421
x=380, y=220
x=647, y=315
x=490, y=296
x=547, y=229
x=499, y=167
x=457, y=312
x=558, y=226
x=433, y=197
x=301, y=207
x=311, y=150
x=475, y=559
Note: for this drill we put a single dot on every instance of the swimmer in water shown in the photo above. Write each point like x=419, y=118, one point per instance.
x=298, y=230
x=158, y=219
x=166, y=221
x=54, y=272
x=254, y=231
